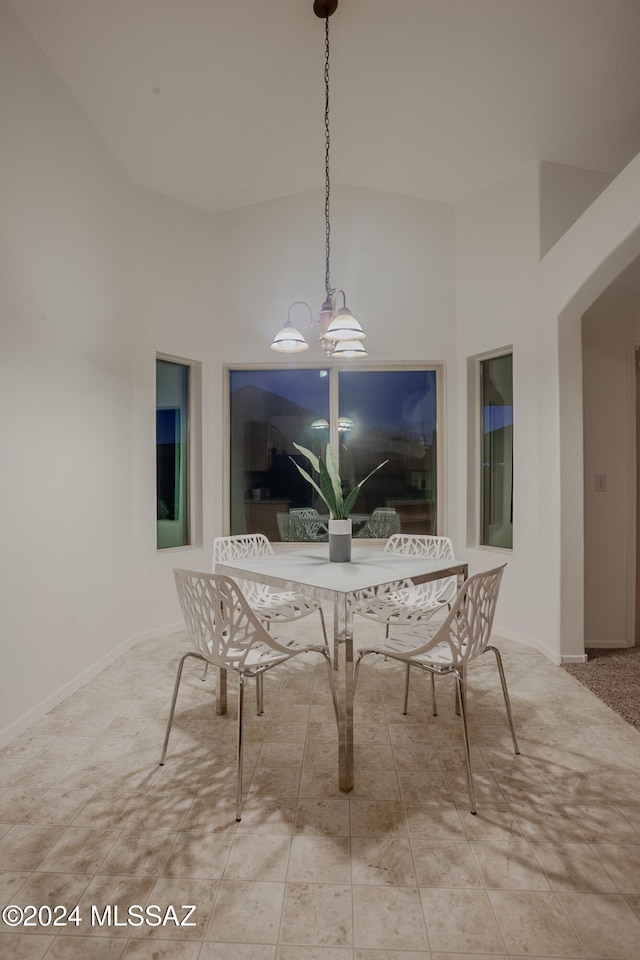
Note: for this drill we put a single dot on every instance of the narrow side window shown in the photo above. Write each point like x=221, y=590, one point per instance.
x=172, y=454
x=496, y=450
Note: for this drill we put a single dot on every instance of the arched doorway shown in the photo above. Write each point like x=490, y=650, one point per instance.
x=593, y=252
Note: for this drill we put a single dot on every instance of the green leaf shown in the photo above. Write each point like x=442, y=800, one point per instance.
x=310, y=455
x=330, y=487
x=310, y=480
x=328, y=492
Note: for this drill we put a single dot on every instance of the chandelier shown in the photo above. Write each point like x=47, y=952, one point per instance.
x=340, y=333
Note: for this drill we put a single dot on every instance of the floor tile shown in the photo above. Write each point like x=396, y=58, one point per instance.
x=388, y=918
x=318, y=914
x=460, y=921
x=246, y=911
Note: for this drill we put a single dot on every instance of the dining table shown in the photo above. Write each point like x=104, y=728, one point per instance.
x=308, y=570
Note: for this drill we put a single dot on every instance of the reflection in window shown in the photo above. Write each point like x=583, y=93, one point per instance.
x=379, y=415
x=172, y=453
x=496, y=378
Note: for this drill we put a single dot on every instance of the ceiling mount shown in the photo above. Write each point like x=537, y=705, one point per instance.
x=324, y=8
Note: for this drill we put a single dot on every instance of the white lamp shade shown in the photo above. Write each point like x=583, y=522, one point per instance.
x=348, y=348
x=344, y=326
x=289, y=340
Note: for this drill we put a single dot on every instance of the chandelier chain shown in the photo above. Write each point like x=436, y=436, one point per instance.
x=327, y=179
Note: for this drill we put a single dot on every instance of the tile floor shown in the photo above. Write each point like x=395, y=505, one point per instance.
x=398, y=870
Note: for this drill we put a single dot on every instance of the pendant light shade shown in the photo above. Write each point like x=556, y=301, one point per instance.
x=348, y=349
x=289, y=340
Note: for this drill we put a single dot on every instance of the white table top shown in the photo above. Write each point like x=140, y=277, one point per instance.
x=310, y=567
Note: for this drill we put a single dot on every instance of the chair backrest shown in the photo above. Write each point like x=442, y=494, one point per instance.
x=220, y=623
x=422, y=545
x=419, y=545
x=467, y=627
x=243, y=547
x=305, y=524
x=383, y=522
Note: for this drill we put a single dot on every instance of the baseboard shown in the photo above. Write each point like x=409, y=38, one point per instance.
x=528, y=641
x=8, y=734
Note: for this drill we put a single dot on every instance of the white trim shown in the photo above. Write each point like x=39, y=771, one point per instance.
x=474, y=447
x=194, y=434
x=633, y=344
x=534, y=642
x=335, y=367
x=10, y=733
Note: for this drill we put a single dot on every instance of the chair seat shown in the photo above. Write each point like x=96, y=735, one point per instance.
x=403, y=647
x=283, y=606
x=406, y=606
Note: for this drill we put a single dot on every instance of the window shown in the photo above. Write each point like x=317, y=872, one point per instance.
x=496, y=449
x=173, y=381
x=367, y=415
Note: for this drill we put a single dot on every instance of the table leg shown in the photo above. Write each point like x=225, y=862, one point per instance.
x=221, y=691
x=343, y=630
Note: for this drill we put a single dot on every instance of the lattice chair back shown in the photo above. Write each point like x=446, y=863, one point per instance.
x=436, y=548
x=467, y=628
x=305, y=524
x=383, y=522
x=220, y=623
x=244, y=547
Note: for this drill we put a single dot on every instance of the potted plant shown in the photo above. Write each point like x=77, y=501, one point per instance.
x=329, y=489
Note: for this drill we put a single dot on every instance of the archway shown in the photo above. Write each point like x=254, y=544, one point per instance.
x=586, y=260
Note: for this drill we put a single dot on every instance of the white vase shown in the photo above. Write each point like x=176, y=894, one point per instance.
x=340, y=541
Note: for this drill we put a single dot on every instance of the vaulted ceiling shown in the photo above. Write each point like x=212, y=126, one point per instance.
x=220, y=104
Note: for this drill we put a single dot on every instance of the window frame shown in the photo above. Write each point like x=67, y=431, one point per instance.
x=194, y=451
x=475, y=478
x=334, y=369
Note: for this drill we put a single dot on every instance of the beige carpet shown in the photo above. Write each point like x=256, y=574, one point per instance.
x=613, y=674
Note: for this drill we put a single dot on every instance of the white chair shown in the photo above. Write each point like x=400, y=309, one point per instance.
x=306, y=524
x=225, y=632
x=270, y=607
x=411, y=605
x=461, y=638
x=383, y=522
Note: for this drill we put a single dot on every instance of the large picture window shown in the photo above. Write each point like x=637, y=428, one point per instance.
x=172, y=453
x=496, y=494
x=367, y=415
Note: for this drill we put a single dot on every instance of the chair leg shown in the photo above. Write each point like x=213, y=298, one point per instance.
x=173, y=702
x=434, y=705
x=239, y=748
x=332, y=685
x=405, y=708
x=505, y=693
x=204, y=672
x=324, y=626
x=356, y=668
x=465, y=735
x=259, y=694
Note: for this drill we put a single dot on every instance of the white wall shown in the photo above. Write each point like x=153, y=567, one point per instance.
x=565, y=193
x=497, y=244
x=65, y=380
x=175, y=288
x=610, y=328
x=394, y=257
